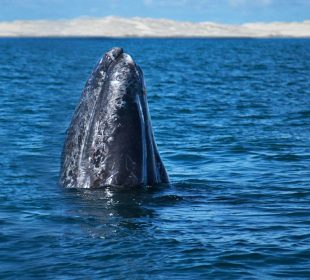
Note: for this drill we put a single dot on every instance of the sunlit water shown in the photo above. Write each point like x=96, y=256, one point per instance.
x=231, y=119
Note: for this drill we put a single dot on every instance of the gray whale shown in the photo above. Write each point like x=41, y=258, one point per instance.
x=110, y=140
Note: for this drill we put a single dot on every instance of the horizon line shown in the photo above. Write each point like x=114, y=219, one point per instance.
x=148, y=37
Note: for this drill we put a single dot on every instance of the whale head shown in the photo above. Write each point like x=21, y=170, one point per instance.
x=110, y=140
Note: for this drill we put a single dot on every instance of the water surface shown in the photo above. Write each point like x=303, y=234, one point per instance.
x=231, y=119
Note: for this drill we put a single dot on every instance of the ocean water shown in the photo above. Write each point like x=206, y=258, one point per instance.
x=231, y=119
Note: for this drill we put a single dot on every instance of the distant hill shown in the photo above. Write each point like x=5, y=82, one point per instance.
x=112, y=26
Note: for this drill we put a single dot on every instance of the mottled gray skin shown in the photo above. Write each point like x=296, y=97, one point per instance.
x=110, y=140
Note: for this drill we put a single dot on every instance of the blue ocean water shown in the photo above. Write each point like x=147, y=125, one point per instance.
x=231, y=119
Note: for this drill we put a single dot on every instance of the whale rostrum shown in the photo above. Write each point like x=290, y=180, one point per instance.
x=110, y=140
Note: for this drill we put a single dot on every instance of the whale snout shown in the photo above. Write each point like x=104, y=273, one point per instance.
x=125, y=76
x=113, y=54
x=108, y=58
x=116, y=59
